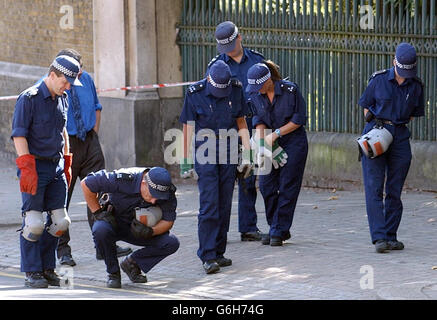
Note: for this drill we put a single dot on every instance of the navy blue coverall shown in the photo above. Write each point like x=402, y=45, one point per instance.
x=123, y=187
x=280, y=188
x=41, y=120
x=247, y=217
x=216, y=180
x=395, y=104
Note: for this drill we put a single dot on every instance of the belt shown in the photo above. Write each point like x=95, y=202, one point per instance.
x=75, y=136
x=54, y=159
x=393, y=124
x=219, y=136
x=390, y=123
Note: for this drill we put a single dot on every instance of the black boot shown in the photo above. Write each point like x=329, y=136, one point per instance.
x=286, y=236
x=265, y=240
x=129, y=266
x=35, y=280
x=381, y=246
x=395, y=245
x=121, y=252
x=114, y=280
x=67, y=259
x=211, y=266
x=251, y=236
x=52, y=278
x=275, y=241
x=224, y=262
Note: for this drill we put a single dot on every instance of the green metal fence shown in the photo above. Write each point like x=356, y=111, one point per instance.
x=329, y=48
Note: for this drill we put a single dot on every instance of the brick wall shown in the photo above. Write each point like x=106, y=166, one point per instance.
x=30, y=31
x=30, y=37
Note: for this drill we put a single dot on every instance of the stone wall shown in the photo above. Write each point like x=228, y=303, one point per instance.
x=14, y=78
x=32, y=32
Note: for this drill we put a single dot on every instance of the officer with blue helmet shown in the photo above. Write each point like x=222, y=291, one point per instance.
x=280, y=108
x=240, y=59
x=392, y=98
x=123, y=192
x=44, y=169
x=213, y=109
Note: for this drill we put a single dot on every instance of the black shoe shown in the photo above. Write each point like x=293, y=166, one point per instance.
x=286, y=236
x=99, y=255
x=381, y=246
x=224, y=262
x=275, y=241
x=132, y=270
x=251, y=236
x=114, y=280
x=265, y=240
x=395, y=245
x=52, y=278
x=211, y=266
x=67, y=259
x=121, y=252
x=35, y=280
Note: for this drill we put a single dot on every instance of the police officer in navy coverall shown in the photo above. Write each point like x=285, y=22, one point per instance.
x=215, y=103
x=127, y=190
x=281, y=108
x=239, y=60
x=394, y=96
x=44, y=168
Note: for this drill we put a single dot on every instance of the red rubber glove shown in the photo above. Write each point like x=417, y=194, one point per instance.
x=28, y=176
x=68, y=159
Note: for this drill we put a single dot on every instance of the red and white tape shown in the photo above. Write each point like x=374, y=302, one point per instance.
x=145, y=86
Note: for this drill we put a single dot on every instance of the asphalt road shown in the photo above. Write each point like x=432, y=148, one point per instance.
x=12, y=287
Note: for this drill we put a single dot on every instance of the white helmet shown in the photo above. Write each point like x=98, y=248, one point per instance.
x=375, y=142
x=148, y=216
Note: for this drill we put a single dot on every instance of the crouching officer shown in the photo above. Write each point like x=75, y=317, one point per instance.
x=122, y=193
x=392, y=98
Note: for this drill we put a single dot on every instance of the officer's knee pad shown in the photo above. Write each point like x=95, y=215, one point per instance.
x=60, y=222
x=33, y=226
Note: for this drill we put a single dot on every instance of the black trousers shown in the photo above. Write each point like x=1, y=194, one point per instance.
x=87, y=157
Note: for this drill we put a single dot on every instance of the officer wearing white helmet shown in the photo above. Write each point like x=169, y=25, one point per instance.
x=392, y=98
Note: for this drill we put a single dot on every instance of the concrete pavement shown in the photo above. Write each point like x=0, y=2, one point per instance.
x=329, y=255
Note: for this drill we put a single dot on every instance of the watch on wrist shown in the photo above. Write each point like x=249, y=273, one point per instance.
x=278, y=132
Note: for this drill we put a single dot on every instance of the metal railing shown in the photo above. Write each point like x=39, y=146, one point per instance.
x=329, y=48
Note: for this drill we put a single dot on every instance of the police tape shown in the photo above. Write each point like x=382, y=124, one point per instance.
x=145, y=86
x=8, y=98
